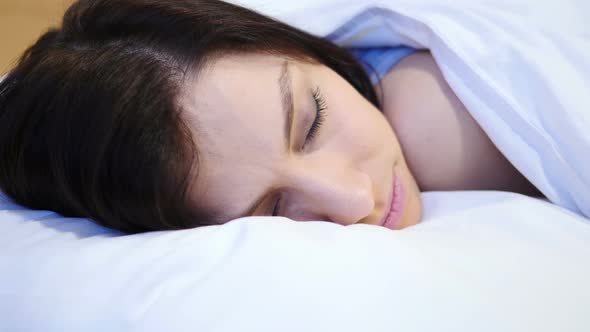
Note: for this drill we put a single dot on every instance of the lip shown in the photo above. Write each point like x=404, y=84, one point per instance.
x=395, y=206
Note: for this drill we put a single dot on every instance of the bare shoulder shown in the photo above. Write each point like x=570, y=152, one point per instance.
x=443, y=145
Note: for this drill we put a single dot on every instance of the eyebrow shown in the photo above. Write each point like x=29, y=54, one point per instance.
x=286, y=101
x=288, y=109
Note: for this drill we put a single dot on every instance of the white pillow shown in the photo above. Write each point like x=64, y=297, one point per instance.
x=480, y=261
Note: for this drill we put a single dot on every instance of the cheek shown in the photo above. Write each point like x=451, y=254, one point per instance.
x=353, y=123
x=358, y=124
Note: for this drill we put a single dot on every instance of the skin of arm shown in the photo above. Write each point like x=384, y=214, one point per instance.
x=443, y=145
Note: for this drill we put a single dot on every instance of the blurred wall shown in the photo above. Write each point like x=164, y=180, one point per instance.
x=22, y=22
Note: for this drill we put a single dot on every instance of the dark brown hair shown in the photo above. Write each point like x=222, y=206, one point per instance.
x=90, y=125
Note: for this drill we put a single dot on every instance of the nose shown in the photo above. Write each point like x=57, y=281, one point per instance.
x=329, y=191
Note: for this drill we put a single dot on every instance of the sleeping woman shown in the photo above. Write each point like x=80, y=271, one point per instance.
x=170, y=114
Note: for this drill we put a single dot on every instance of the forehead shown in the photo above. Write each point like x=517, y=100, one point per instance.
x=233, y=92
x=233, y=107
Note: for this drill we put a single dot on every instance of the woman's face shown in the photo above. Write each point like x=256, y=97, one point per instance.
x=283, y=137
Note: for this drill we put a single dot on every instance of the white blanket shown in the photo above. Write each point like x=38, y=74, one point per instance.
x=521, y=68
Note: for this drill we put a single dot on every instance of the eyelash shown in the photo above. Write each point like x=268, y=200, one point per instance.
x=275, y=210
x=321, y=107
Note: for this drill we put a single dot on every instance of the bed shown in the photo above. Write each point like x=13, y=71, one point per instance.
x=479, y=261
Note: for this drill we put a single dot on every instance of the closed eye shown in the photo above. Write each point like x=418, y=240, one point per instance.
x=320, y=106
x=320, y=116
x=276, y=210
